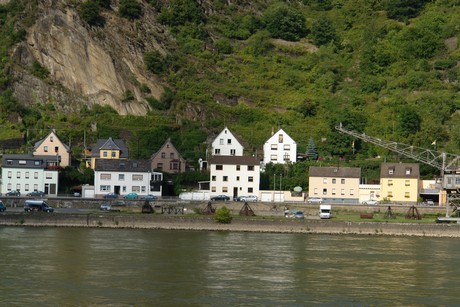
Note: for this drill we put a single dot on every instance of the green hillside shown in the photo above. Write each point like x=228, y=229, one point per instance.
x=387, y=68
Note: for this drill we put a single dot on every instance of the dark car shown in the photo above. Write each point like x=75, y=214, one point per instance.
x=2, y=206
x=220, y=197
x=111, y=195
x=13, y=193
x=148, y=197
x=36, y=193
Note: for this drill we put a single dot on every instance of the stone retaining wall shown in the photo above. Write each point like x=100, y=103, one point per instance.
x=183, y=222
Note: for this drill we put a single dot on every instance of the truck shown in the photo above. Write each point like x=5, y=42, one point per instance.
x=325, y=211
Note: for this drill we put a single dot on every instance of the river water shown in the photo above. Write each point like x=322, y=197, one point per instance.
x=119, y=267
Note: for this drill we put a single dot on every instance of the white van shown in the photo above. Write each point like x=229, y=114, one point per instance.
x=37, y=205
x=325, y=211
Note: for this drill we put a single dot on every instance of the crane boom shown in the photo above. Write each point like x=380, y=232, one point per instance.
x=440, y=160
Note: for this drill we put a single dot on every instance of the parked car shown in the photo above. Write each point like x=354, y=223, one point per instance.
x=111, y=195
x=315, y=200
x=37, y=205
x=250, y=198
x=131, y=196
x=2, y=206
x=370, y=202
x=220, y=197
x=13, y=193
x=105, y=207
x=148, y=197
x=36, y=193
x=299, y=215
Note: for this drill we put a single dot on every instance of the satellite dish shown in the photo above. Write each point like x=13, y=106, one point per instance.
x=298, y=189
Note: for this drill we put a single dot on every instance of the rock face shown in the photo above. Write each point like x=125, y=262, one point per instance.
x=86, y=65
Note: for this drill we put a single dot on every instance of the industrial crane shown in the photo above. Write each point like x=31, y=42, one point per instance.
x=448, y=164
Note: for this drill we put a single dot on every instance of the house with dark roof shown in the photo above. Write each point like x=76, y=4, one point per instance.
x=52, y=146
x=335, y=184
x=168, y=159
x=126, y=176
x=234, y=176
x=400, y=182
x=108, y=149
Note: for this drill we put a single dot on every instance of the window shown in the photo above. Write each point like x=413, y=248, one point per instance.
x=213, y=189
x=287, y=157
x=136, y=189
x=224, y=189
x=274, y=147
x=324, y=180
x=123, y=188
x=237, y=178
x=35, y=175
x=45, y=149
x=342, y=181
x=280, y=138
x=219, y=167
x=18, y=174
x=333, y=180
x=56, y=149
x=287, y=147
x=238, y=167
x=106, y=176
x=27, y=175
x=333, y=191
x=221, y=141
x=137, y=177
x=105, y=188
x=251, y=179
x=174, y=165
x=324, y=191
x=51, y=138
x=390, y=182
x=36, y=162
x=9, y=187
x=407, y=194
x=163, y=155
x=113, y=154
x=121, y=177
x=342, y=191
x=390, y=194
x=391, y=171
x=105, y=154
x=18, y=187
x=10, y=174
x=352, y=192
x=26, y=187
x=9, y=162
x=315, y=191
x=160, y=166
x=217, y=151
x=213, y=178
x=229, y=141
x=250, y=167
x=171, y=155
x=49, y=176
x=250, y=190
x=273, y=157
x=232, y=152
x=225, y=178
x=407, y=183
x=143, y=189
x=408, y=170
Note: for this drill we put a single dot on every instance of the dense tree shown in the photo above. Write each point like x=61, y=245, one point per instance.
x=323, y=32
x=284, y=21
x=154, y=62
x=311, y=152
x=404, y=9
x=130, y=9
x=181, y=12
x=89, y=12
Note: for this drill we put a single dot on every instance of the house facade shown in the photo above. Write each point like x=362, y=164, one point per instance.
x=335, y=184
x=108, y=149
x=28, y=173
x=226, y=144
x=126, y=176
x=168, y=159
x=234, y=176
x=399, y=182
x=52, y=146
x=280, y=148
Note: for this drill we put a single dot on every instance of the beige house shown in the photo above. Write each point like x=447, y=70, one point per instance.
x=335, y=184
x=51, y=145
x=399, y=182
x=108, y=149
x=168, y=159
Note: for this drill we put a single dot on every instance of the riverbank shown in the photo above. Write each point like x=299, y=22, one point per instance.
x=239, y=224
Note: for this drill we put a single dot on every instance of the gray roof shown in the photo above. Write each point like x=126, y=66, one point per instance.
x=335, y=172
x=110, y=144
x=117, y=165
x=399, y=170
x=28, y=159
x=235, y=160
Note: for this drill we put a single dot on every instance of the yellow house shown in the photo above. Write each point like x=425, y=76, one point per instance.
x=335, y=184
x=109, y=149
x=399, y=182
x=51, y=145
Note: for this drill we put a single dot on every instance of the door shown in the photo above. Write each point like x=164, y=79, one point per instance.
x=235, y=192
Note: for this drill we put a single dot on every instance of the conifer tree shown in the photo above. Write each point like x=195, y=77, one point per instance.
x=312, y=153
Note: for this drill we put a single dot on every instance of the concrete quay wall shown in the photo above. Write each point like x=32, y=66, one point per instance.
x=207, y=223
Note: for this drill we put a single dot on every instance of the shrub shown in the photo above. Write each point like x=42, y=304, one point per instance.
x=223, y=215
x=130, y=9
x=39, y=71
x=154, y=62
x=180, y=12
x=285, y=22
x=223, y=46
x=89, y=12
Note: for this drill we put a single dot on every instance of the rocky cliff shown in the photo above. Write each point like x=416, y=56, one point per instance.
x=87, y=65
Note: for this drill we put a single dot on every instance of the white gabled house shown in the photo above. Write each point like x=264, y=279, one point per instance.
x=126, y=176
x=280, y=148
x=234, y=176
x=226, y=144
x=28, y=173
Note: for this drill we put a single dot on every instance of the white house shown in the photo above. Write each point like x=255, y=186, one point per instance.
x=280, y=148
x=126, y=176
x=28, y=173
x=226, y=144
x=234, y=176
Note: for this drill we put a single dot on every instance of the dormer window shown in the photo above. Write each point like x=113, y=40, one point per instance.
x=408, y=170
x=391, y=171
